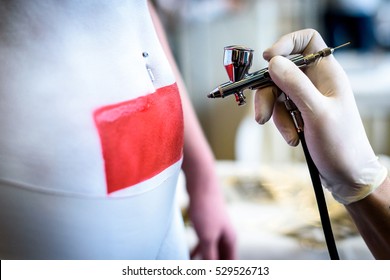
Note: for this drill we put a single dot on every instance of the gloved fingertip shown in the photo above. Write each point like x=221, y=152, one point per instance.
x=264, y=102
x=293, y=82
x=279, y=64
x=267, y=54
x=262, y=119
x=293, y=141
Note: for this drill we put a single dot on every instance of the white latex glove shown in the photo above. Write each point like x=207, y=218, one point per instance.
x=333, y=128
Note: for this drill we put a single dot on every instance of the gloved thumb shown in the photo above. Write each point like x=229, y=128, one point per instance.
x=293, y=82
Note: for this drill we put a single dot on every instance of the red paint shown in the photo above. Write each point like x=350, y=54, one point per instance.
x=141, y=137
x=230, y=71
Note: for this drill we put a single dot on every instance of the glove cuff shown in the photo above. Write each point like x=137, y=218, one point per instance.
x=372, y=178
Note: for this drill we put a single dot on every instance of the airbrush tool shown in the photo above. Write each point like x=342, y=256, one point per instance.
x=237, y=62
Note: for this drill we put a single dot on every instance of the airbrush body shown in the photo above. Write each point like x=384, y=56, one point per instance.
x=237, y=61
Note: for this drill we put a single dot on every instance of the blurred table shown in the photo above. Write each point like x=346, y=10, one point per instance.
x=274, y=211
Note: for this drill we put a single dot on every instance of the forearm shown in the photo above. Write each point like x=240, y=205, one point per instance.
x=372, y=218
x=207, y=211
x=199, y=163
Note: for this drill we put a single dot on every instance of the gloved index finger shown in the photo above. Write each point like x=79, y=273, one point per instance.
x=292, y=81
x=300, y=42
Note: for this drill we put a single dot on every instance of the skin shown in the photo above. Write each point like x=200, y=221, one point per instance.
x=217, y=238
x=372, y=218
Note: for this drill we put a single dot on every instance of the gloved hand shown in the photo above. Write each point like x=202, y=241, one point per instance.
x=333, y=129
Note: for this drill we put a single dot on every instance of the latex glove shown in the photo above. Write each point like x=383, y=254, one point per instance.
x=333, y=129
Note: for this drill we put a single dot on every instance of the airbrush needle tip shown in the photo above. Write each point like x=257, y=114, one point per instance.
x=341, y=46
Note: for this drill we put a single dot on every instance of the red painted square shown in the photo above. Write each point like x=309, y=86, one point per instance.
x=141, y=137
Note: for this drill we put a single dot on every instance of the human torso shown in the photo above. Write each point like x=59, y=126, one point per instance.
x=62, y=75
x=90, y=142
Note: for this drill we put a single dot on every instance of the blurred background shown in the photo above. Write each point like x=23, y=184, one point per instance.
x=200, y=29
x=254, y=162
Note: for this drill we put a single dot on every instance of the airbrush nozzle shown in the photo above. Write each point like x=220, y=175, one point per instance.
x=215, y=93
x=341, y=46
x=310, y=58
